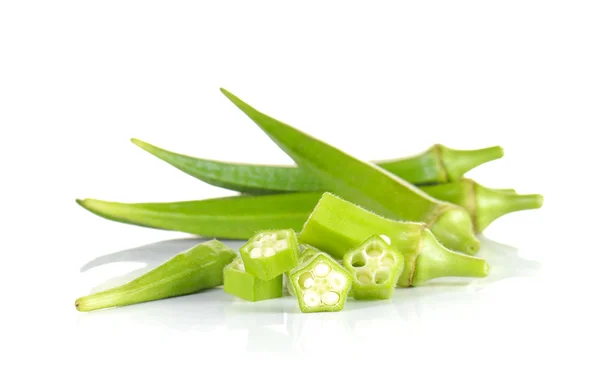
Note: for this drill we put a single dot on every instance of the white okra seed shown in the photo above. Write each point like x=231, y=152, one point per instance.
x=311, y=299
x=330, y=298
x=322, y=269
x=386, y=239
x=280, y=245
x=255, y=253
x=268, y=252
x=336, y=281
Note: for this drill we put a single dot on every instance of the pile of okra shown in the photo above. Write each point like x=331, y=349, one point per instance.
x=329, y=228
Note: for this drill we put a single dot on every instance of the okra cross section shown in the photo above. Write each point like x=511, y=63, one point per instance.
x=269, y=254
x=244, y=285
x=321, y=284
x=375, y=268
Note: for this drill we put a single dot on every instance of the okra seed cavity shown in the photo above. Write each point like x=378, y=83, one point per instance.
x=306, y=280
x=358, y=260
x=364, y=278
x=381, y=277
x=268, y=252
x=311, y=298
x=256, y=253
x=387, y=260
x=322, y=270
x=330, y=298
x=374, y=251
x=337, y=281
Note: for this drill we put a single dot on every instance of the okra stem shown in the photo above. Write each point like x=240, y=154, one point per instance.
x=438, y=164
x=484, y=204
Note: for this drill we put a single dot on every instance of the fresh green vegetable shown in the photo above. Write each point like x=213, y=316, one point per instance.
x=269, y=254
x=238, y=217
x=438, y=164
x=238, y=282
x=320, y=284
x=198, y=268
x=375, y=268
x=484, y=204
x=305, y=252
x=337, y=226
x=367, y=185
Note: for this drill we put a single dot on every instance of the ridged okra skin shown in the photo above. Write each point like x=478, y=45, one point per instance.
x=238, y=282
x=269, y=254
x=337, y=226
x=375, y=267
x=438, y=164
x=236, y=217
x=320, y=284
x=198, y=268
x=484, y=204
x=367, y=185
x=240, y=217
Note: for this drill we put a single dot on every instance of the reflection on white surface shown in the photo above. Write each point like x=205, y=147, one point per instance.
x=436, y=310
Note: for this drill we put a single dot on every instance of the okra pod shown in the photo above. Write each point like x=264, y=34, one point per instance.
x=375, y=267
x=196, y=269
x=438, y=164
x=484, y=204
x=320, y=284
x=237, y=217
x=240, y=217
x=238, y=282
x=269, y=254
x=337, y=226
x=367, y=185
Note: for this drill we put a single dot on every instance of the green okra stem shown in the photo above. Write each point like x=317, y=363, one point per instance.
x=367, y=185
x=337, y=226
x=484, y=204
x=196, y=269
x=438, y=164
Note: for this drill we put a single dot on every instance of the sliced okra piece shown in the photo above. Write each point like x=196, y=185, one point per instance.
x=244, y=285
x=305, y=253
x=375, y=268
x=321, y=284
x=269, y=254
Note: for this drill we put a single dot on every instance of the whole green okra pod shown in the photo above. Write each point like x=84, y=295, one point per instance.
x=196, y=269
x=240, y=217
x=367, y=185
x=438, y=164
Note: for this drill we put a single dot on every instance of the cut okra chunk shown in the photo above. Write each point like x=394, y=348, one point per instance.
x=321, y=284
x=305, y=253
x=269, y=254
x=375, y=268
x=244, y=285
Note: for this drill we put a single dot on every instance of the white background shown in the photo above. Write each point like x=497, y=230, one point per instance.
x=78, y=79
